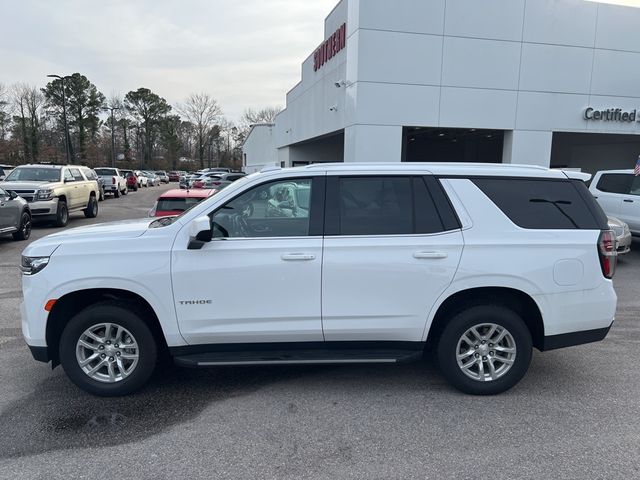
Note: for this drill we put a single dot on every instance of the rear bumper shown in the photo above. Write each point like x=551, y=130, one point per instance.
x=563, y=340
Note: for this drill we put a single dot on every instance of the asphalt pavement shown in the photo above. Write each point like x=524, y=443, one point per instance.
x=574, y=415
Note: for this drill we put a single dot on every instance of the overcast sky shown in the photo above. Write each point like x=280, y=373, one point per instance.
x=246, y=53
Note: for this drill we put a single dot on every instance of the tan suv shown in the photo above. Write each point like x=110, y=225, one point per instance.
x=53, y=191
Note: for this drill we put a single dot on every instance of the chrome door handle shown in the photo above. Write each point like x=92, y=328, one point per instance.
x=435, y=255
x=298, y=256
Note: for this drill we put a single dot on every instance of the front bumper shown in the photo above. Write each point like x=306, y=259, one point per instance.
x=624, y=243
x=44, y=208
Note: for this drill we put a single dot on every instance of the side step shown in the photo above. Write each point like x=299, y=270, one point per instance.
x=297, y=357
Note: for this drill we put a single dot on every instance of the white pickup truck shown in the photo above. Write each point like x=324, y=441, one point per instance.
x=114, y=181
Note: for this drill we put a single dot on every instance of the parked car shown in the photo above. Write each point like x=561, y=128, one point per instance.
x=476, y=263
x=162, y=175
x=152, y=178
x=174, y=176
x=233, y=176
x=114, y=181
x=92, y=175
x=53, y=191
x=15, y=215
x=5, y=170
x=187, y=180
x=622, y=233
x=132, y=181
x=214, y=170
x=209, y=180
x=174, y=202
x=143, y=180
x=618, y=193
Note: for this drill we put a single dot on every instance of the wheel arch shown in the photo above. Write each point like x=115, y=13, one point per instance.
x=74, y=302
x=517, y=300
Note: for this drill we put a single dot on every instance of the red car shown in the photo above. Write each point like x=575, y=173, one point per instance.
x=174, y=202
x=132, y=181
x=174, y=176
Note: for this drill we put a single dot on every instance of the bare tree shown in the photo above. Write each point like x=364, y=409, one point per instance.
x=5, y=112
x=203, y=112
x=263, y=115
x=28, y=102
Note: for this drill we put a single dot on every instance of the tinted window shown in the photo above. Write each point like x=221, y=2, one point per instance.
x=176, y=204
x=76, y=174
x=540, y=204
x=375, y=206
x=635, y=186
x=106, y=171
x=31, y=174
x=427, y=218
x=615, y=183
x=276, y=209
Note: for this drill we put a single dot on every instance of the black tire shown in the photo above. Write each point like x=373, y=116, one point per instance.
x=24, y=229
x=101, y=197
x=92, y=208
x=477, y=315
x=116, y=194
x=117, y=313
x=62, y=215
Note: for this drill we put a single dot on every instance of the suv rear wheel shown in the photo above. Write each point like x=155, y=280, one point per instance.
x=484, y=350
x=108, y=350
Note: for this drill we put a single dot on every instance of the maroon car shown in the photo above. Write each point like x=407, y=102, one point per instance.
x=132, y=181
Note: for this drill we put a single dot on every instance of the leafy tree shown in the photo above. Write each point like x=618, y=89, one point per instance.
x=148, y=109
x=5, y=112
x=84, y=103
x=202, y=111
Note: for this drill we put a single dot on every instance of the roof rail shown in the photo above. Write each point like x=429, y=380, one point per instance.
x=270, y=168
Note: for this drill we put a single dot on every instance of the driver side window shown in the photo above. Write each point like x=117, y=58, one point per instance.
x=275, y=209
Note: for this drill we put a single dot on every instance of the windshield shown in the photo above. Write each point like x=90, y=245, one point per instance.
x=105, y=171
x=31, y=174
x=177, y=204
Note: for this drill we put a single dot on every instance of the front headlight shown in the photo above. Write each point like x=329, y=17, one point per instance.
x=44, y=194
x=32, y=265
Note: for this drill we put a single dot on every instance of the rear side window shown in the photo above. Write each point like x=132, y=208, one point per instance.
x=392, y=205
x=543, y=204
x=615, y=183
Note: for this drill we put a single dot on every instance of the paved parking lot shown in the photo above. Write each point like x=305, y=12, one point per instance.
x=575, y=415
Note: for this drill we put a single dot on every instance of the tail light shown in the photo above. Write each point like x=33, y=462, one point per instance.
x=607, y=252
x=216, y=183
x=113, y=180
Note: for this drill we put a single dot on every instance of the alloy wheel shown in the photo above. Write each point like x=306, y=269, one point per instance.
x=486, y=352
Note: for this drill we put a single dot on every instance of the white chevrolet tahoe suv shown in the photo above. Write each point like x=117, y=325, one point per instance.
x=332, y=264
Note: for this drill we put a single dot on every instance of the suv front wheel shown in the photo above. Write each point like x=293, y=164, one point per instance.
x=484, y=350
x=108, y=350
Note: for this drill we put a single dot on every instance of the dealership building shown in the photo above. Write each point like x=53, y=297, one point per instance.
x=544, y=82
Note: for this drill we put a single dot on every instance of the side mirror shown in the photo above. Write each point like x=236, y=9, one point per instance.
x=200, y=233
x=13, y=195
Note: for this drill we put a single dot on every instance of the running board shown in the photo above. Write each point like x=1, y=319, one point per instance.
x=297, y=357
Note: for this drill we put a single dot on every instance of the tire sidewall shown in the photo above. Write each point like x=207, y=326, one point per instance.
x=63, y=214
x=460, y=323
x=117, y=315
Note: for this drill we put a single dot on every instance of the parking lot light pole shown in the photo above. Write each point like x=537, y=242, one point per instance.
x=113, y=138
x=64, y=117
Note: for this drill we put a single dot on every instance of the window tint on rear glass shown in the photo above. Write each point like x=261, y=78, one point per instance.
x=615, y=182
x=177, y=204
x=540, y=204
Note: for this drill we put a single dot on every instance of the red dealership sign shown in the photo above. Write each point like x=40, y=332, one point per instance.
x=330, y=47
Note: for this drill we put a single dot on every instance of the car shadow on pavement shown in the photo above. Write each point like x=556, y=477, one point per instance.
x=58, y=416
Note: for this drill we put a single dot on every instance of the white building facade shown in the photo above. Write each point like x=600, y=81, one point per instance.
x=545, y=82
